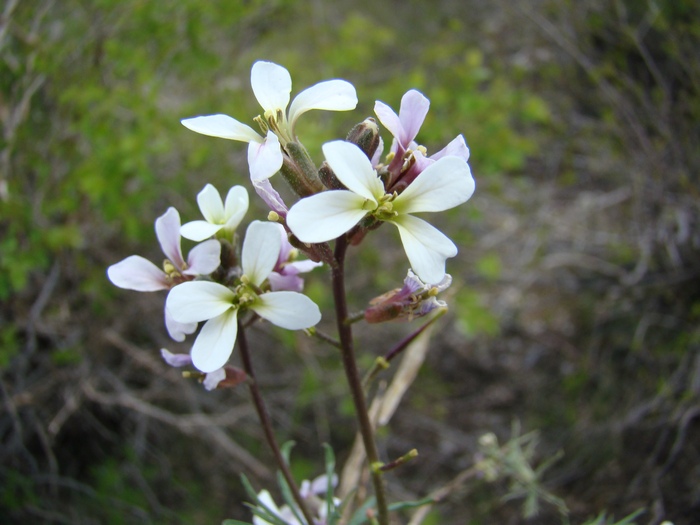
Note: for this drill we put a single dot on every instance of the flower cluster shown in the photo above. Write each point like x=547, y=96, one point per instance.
x=208, y=287
x=311, y=491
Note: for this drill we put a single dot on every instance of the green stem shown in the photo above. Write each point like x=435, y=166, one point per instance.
x=353, y=377
x=266, y=422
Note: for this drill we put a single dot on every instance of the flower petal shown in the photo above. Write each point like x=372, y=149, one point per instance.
x=290, y=283
x=269, y=195
x=168, y=233
x=195, y=301
x=389, y=119
x=457, y=147
x=442, y=185
x=211, y=205
x=137, y=273
x=289, y=310
x=215, y=341
x=271, y=85
x=176, y=330
x=199, y=230
x=264, y=158
x=236, y=207
x=175, y=360
x=261, y=247
x=331, y=95
x=204, y=258
x=426, y=247
x=326, y=215
x=212, y=379
x=222, y=126
x=414, y=108
x=353, y=169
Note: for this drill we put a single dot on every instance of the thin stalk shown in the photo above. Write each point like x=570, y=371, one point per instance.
x=353, y=377
x=266, y=422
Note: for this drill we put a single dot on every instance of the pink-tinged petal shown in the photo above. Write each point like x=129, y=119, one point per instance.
x=389, y=119
x=261, y=247
x=290, y=283
x=457, y=147
x=377, y=157
x=178, y=331
x=235, y=207
x=289, y=310
x=204, y=258
x=168, y=233
x=211, y=205
x=265, y=158
x=137, y=273
x=271, y=85
x=269, y=195
x=426, y=247
x=215, y=341
x=325, y=216
x=196, y=301
x=414, y=108
x=222, y=126
x=212, y=379
x=301, y=266
x=353, y=169
x=285, y=247
x=199, y=230
x=175, y=360
x=442, y=185
x=331, y=95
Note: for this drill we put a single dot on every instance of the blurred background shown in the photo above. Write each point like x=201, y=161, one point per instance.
x=576, y=305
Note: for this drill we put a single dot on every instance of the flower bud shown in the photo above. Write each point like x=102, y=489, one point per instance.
x=366, y=136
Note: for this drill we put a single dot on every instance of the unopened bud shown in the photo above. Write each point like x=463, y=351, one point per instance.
x=366, y=136
x=329, y=179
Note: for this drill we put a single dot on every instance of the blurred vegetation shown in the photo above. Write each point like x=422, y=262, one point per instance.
x=577, y=298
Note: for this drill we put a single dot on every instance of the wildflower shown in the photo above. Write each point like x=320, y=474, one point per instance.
x=219, y=305
x=140, y=274
x=225, y=377
x=443, y=185
x=218, y=216
x=414, y=299
x=309, y=491
x=406, y=158
x=272, y=86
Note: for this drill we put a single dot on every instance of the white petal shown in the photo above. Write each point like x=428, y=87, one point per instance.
x=199, y=230
x=289, y=310
x=198, y=301
x=261, y=248
x=389, y=119
x=442, y=185
x=353, y=169
x=268, y=194
x=204, y=258
x=264, y=158
x=178, y=331
x=137, y=273
x=236, y=206
x=168, y=233
x=222, y=126
x=212, y=379
x=326, y=215
x=331, y=95
x=271, y=85
x=215, y=341
x=211, y=205
x=427, y=247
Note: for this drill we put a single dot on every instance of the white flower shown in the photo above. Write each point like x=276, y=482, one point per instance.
x=219, y=305
x=444, y=184
x=218, y=216
x=140, y=274
x=272, y=86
